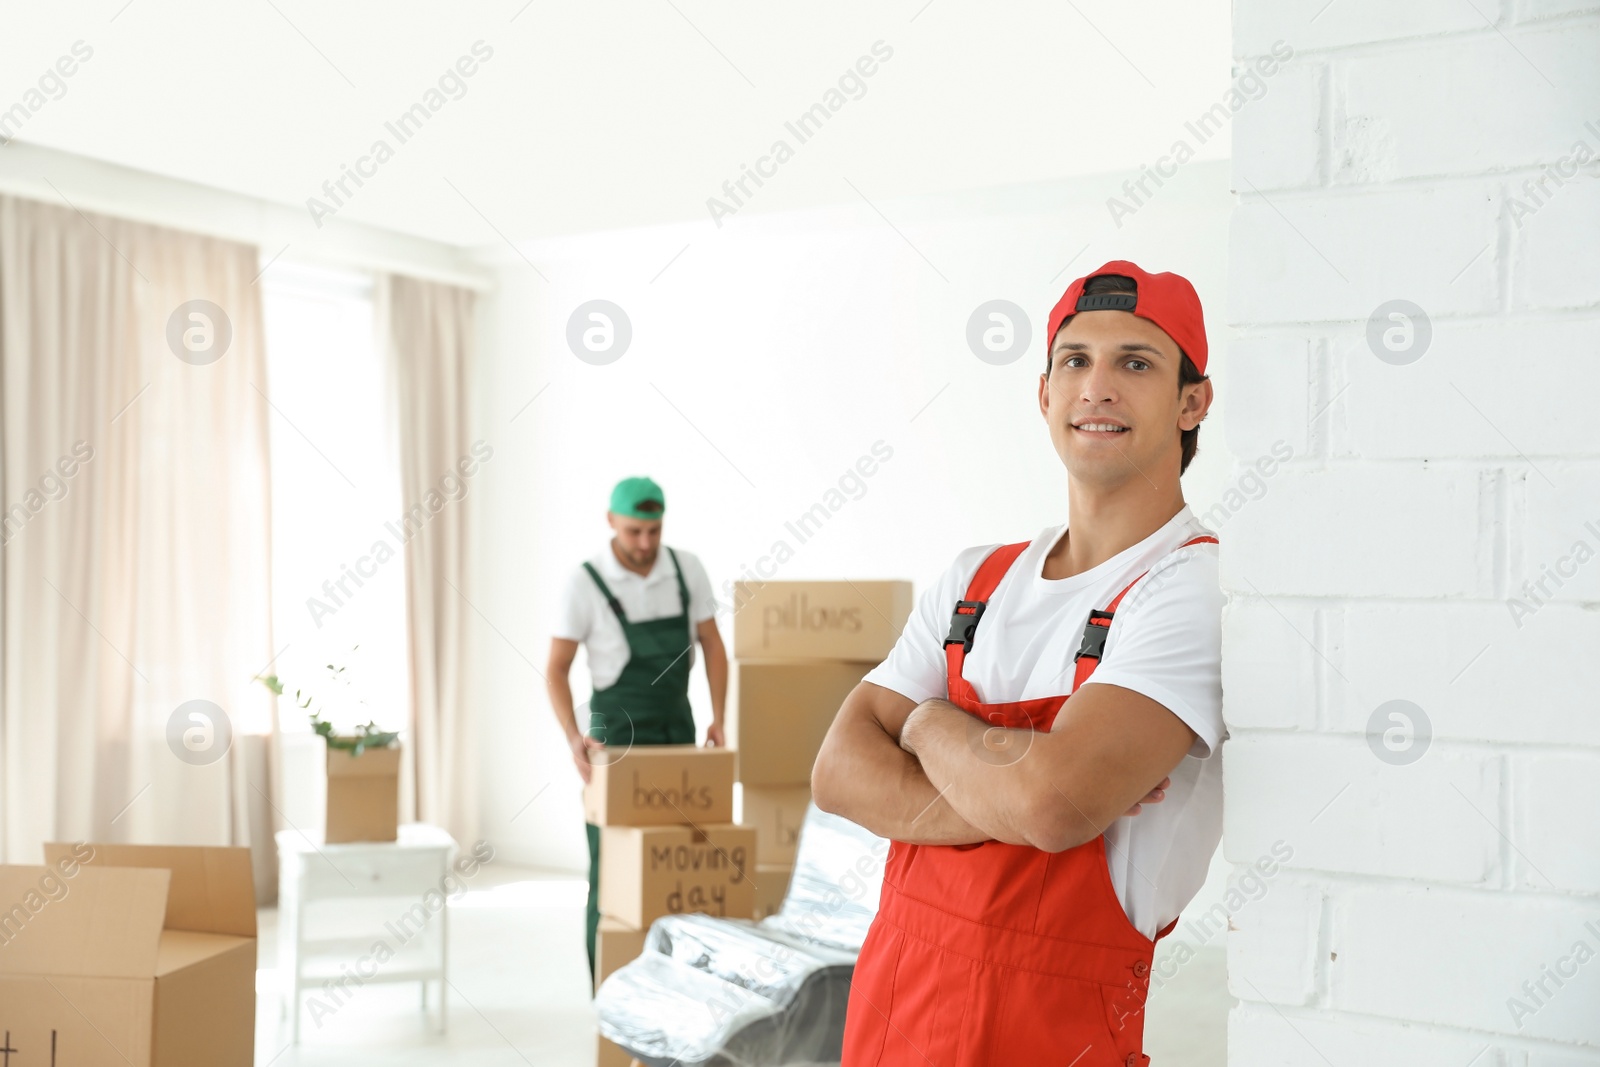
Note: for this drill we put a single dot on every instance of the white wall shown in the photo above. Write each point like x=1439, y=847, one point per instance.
x=1429, y=879
x=766, y=359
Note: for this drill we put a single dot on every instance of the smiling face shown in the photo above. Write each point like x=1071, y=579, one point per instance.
x=1113, y=402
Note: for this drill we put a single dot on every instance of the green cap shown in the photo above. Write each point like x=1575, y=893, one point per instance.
x=638, y=498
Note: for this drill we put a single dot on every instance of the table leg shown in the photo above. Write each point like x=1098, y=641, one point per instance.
x=299, y=939
x=444, y=961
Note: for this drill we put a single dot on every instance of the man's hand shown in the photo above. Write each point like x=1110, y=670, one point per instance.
x=1053, y=789
x=908, y=731
x=1155, y=796
x=582, y=745
x=917, y=721
x=715, y=737
x=862, y=774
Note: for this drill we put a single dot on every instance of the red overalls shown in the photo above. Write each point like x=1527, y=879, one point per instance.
x=997, y=955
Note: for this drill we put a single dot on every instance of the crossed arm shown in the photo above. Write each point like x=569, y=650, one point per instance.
x=932, y=774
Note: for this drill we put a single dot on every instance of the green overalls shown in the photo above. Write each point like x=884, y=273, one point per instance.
x=647, y=705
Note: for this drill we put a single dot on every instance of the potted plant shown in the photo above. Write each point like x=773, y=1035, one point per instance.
x=363, y=765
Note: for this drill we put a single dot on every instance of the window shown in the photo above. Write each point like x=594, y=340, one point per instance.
x=335, y=484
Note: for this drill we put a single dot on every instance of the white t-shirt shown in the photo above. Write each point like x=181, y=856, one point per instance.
x=587, y=618
x=1165, y=643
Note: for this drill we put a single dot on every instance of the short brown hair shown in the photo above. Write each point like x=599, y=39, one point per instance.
x=1188, y=373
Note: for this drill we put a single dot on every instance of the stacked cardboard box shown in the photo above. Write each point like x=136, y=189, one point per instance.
x=609, y=1055
x=799, y=649
x=668, y=844
x=615, y=943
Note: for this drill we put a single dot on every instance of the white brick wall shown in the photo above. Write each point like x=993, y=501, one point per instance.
x=1332, y=801
x=1434, y=537
x=1275, y=940
x=1329, y=555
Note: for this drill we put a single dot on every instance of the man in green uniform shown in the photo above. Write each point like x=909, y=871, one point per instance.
x=638, y=619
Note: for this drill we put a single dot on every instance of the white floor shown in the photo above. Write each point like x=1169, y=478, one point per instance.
x=519, y=993
x=1187, y=1021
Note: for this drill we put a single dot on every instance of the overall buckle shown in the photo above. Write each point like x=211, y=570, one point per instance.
x=1094, y=635
x=964, y=623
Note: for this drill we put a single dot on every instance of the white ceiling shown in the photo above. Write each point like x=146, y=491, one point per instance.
x=594, y=116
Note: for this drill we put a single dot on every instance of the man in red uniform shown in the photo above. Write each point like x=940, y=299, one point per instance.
x=1025, y=887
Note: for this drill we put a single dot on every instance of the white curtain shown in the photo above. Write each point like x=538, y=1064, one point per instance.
x=135, y=568
x=430, y=345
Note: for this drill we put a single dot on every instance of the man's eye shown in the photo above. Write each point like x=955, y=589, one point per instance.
x=1138, y=364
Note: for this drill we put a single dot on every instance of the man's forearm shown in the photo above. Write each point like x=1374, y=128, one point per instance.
x=560, y=691
x=863, y=775
x=982, y=770
x=717, y=682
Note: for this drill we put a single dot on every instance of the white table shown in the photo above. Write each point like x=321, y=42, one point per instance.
x=399, y=886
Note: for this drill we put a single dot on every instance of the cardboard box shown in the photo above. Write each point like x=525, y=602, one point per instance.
x=819, y=620
x=616, y=943
x=650, y=871
x=776, y=811
x=363, y=795
x=660, y=785
x=772, y=885
x=780, y=710
x=139, y=957
x=609, y=1055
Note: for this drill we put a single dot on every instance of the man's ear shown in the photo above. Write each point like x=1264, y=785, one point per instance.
x=1196, y=404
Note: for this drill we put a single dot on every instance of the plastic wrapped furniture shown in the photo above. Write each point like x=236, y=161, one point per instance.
x=709, y=992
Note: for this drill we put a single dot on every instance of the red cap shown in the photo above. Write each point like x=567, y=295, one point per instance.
x=1168, y=300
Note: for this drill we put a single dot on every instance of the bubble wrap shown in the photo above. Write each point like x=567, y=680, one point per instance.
x=709, y=992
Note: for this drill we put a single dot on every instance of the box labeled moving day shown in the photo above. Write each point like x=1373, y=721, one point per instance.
x=129, y=956
x=659, y=785
x=772, y=885
x=650, y=871
x=819, y=620
x=776, y=812
x=780, y=710
x=615, y=943
x=363, y=795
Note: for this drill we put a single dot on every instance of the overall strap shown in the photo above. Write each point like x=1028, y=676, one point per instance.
x=616, y=605
x=964, y=620
x=1098, y=627
x=683, y=590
